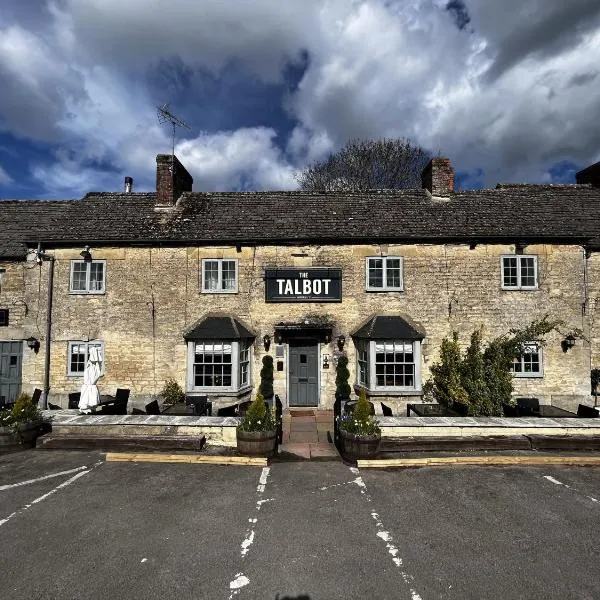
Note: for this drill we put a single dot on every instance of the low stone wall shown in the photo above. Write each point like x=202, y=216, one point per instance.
x=219, y=431
x=478, y=426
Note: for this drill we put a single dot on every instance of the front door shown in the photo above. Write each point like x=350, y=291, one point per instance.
x=10, y=371
x=304, y=374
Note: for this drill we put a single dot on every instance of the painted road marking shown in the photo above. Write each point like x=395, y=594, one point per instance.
x=556, y=482
x=384, y=535
x=14, y=485
x=48, y=494
x=241, y=580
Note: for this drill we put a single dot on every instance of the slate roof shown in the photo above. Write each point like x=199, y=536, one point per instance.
x=510, y=212
x=388, y=328
x=219, y=327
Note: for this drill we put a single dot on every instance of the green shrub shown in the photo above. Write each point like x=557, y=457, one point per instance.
x=172, y=392
x=25, y=410
x=360, y=422
x=266, y=377
x=480, y=382
x=258, y=417
x=342, y=387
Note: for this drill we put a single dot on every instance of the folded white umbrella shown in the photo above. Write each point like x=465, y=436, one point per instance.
x=89, y=390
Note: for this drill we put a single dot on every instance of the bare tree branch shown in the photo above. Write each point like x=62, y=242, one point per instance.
x=368, y=164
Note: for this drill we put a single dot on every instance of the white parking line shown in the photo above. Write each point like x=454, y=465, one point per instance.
x=384, y=535
x=14, y=485
x=556, y=482
x=241, y=580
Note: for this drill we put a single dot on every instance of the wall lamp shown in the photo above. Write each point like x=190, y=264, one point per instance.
x=568, y=342
x=267, y=342
x=340, y=342
x=33, y=344
x=86, y=255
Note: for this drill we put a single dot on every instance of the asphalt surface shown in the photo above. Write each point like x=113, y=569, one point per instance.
x=307, y=531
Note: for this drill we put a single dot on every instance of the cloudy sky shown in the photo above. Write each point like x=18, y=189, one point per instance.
x=509, y=90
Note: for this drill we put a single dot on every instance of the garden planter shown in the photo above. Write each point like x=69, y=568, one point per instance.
x=353, y=447
x=257, y=443
x=19, y=437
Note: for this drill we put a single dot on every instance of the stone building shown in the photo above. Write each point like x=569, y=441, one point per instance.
x=200, y=286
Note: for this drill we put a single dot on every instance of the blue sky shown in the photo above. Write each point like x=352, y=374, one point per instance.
x=507, y=90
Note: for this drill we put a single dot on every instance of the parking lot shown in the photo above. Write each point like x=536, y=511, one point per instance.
x=74, y=526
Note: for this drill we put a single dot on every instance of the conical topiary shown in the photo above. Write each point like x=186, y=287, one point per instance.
x=266, y=377
x=342, y=387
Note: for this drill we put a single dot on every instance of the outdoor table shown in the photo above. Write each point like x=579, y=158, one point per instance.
x=181, y=410
x=430, y=410
x=554, y=412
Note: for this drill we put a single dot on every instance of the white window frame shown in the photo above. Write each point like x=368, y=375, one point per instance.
x=530, y=374
x=371, y=384
x=88, y=271
x=98, y=343
x=206, y=290
x=384, y=287
x=235, y=367
x=519, y=258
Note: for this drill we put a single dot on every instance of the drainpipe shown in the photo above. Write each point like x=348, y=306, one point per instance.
x=42, y=256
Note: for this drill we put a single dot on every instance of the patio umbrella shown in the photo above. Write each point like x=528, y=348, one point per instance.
x=89, y=391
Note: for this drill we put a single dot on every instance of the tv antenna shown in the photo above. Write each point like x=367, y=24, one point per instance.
x=164, y=114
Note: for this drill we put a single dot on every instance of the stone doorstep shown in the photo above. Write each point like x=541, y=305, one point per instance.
x=303, y=426
x=308, y=451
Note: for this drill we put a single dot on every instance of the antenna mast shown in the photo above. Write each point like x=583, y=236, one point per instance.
x=164, y=114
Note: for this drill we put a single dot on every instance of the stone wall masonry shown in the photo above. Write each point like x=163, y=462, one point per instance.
x=153, y=295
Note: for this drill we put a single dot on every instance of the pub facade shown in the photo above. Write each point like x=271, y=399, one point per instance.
x=199, y=287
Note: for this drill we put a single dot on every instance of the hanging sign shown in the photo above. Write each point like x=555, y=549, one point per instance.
x=303, y=285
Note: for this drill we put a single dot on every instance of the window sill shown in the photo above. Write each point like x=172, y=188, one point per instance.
x=519, y=289
x=389, y=392
x=528, y=376
x=219, y=292
x=221, y=392
x=380, y=290
x=72, y=293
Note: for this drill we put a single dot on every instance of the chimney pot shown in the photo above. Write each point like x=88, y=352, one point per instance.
x=128, y=185
x=438, y=177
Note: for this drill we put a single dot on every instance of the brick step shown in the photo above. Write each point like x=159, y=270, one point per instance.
x=450, y=443
x=108, y=443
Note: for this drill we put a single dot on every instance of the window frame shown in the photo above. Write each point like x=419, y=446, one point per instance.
x=370, y=385
x=71, y=343
x=520, y=258
x=237, y=347
x=88, y=272
x=384, y=287
x=5, y=318
x=530, y=374
x=220, y=261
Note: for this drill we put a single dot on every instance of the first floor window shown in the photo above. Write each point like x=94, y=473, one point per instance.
x=519, y=272
x=384, y=273
x=529, y=362
x=389, y=365
x=219, y=365
x=87, y=277
x=219, y=275
x=78, y=356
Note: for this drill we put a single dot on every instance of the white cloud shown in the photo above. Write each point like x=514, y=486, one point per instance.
x=511, y=93
x=5, y=178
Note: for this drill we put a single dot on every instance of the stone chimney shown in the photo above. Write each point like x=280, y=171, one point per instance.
x=172, y=179
x=438, y=177
x=590, y=174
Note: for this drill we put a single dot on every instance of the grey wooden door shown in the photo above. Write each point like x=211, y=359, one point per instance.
x=304, y=375
x=11, y=354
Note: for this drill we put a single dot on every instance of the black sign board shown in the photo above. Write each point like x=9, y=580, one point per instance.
x=305, y=284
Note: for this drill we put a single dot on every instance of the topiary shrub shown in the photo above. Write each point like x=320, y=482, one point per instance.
x=258, y=417
x=342, y=387
x=266, y=377
x=172, y=392
x=25, y=410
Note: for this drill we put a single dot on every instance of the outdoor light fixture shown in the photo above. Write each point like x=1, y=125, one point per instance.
x=568, y=342
x=33, y=343
x=327, y=338
x=267, y=342
x=340, y=342
x=85, y=254
x=278, y=337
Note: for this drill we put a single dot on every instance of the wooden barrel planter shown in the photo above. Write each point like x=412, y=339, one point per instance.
x=257, y=443
x=353, y=447
x=19, y=437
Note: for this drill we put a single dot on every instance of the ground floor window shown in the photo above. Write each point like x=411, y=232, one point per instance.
x=218, y=365
x=78, y=354
x=529, y=362
x=389, y=365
